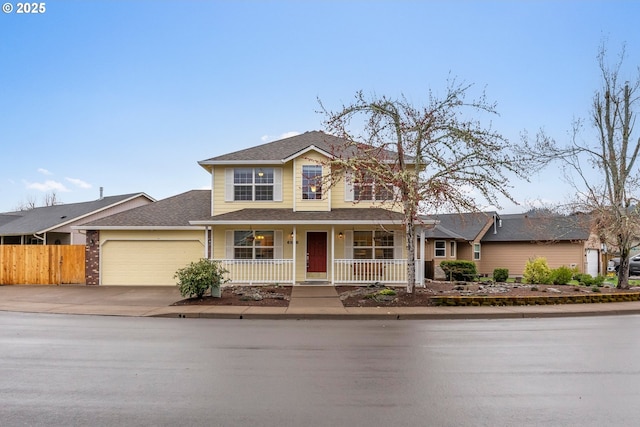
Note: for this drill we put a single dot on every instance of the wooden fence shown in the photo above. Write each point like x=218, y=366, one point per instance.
x=41, y=264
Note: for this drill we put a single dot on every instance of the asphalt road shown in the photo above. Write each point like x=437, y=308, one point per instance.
x=105, y=371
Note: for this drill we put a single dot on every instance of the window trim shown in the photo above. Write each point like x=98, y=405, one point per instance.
x=452, y=248
x=253, y=246
x=443, y=249
x=477, y=251
x=373, y=247
x=373, y=190
x=253, y=184
x=310, y=182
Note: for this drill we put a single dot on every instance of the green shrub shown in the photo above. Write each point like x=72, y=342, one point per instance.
x=585, y=279
x=388, y=292
x=197, y=277
x=500, y=274
x=561, y=275
x=459, y=270
x=536, y=271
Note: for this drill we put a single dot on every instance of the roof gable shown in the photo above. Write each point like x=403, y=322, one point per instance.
x=43, y=219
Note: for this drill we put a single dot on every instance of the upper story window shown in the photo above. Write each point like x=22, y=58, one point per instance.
x=312, y=182
x=253, y=184
x=366, y=188
x=249, y=244
x=373, y=245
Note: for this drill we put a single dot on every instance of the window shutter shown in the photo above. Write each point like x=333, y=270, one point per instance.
x=348, y=186
x=277, y=184
x=348, y=244
x=228, y=185
x=229, y=244
x=277, y=249
x=398, y=243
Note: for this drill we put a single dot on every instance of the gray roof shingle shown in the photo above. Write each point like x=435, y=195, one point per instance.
x=335, y=216
x=175, y=211
x=460, y=226
x=279, y=150
x=527, y=228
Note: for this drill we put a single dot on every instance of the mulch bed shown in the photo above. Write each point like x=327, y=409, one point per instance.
x=261, y=296
x=371, y=296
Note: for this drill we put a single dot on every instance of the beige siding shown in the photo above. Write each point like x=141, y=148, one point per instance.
x=147, y=258
x=514, y=256
x=221, y=206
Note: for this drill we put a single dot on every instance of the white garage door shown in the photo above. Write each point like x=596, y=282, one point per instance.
x=146, y=262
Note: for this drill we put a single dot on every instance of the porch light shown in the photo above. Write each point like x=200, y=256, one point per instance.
x=340, y=235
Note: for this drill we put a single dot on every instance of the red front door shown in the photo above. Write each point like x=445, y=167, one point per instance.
x=316, y=252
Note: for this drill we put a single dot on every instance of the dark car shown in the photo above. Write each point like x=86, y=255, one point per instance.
x=634, y=265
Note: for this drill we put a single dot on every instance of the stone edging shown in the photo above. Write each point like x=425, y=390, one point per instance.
x=500, y=300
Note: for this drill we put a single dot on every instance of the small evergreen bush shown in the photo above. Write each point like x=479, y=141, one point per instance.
x=500, y=274
x=561, y=275
x=536, y=271
x=197, y=277
x=459, y=270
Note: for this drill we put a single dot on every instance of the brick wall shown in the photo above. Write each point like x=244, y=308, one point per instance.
x=92, y=258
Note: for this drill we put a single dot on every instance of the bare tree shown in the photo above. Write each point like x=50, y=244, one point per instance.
x=49, y=199
x=605, y=174
x=437, y=157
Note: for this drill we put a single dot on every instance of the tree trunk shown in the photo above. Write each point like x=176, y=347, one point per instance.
x=410, y=230
x=623, y=269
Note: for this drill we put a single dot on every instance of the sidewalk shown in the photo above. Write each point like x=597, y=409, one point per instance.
x=307, y=302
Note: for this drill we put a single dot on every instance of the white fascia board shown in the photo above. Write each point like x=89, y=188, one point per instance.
x=306, y=150
x=309, y=222
x=248, y=163
x=133, y=228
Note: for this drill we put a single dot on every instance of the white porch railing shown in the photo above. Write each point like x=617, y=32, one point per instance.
x=258, y=271
x=352, y=271
x=369, y=271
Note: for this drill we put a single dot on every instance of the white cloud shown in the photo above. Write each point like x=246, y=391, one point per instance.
x=48, y=185
x=44, y=171
x=78, y=182
x=269, y=138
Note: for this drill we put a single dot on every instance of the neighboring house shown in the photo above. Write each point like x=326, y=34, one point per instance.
x=267, y=219
x=509, y=241
x=52, y=225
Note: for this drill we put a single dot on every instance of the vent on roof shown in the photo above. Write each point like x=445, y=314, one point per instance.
x=63, y=217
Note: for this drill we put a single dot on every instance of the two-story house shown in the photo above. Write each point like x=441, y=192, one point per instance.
x=271, y=217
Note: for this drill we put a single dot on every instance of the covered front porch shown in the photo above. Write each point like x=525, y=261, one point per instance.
x=340, y=247
x=342, y=272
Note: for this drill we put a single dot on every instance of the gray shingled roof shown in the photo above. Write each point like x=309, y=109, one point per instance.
x=461, y=226
x=335, y=216
x=526, y=228
x=175, y=211
x=42, y=219
x=277, y=151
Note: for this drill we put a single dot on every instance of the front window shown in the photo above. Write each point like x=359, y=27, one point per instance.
x=476, y=251
x=452, y=249
x=253, y=184
x=367, y=189
x=372, y=245
x=248, y=244
x=312, y=182
x=440, y=248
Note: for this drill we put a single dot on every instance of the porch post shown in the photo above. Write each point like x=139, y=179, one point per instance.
x=333, y=254
x=293, y=243
x=422, y=255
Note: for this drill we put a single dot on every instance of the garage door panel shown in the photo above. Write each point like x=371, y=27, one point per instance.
x=150, y=263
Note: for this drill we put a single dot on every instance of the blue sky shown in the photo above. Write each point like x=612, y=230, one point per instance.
x=129, y=95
